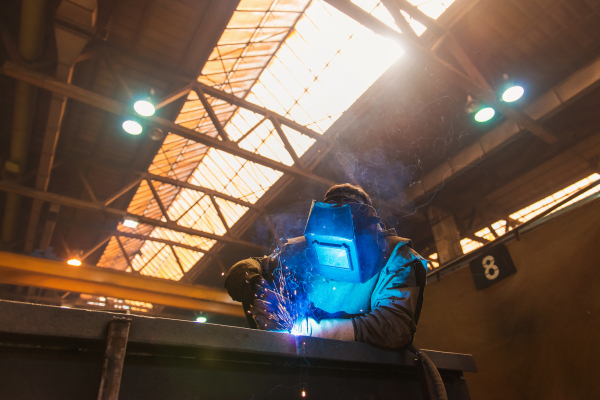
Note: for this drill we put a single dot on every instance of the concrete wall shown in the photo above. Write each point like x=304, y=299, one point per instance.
x=536, y=334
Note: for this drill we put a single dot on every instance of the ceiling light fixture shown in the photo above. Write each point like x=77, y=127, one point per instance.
x=513, y=93
x=132, y=127
x=144, y=108
x=485, y=114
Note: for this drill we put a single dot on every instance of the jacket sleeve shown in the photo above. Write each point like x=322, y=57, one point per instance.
x=240, y=279
x=391, y=321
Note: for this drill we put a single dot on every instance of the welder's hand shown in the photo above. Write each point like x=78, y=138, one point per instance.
x=270, y=309
x=307, y=327
x=241, y=278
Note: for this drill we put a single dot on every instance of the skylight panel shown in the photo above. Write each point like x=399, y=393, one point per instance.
x=325, y=63
x=531, y=211
x=538, y=207
x=468, y=245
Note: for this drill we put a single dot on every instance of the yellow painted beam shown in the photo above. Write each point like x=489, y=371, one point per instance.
x=16, y=269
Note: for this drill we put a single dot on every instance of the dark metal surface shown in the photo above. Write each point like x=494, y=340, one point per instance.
x=54, y=353
x=31, y=319
x=114, y=358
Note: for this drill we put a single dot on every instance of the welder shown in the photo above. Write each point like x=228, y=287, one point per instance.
x=347, y=278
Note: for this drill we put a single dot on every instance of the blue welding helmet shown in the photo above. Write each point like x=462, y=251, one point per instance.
x=344, y=240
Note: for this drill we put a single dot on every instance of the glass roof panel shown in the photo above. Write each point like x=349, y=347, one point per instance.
x=304, y=60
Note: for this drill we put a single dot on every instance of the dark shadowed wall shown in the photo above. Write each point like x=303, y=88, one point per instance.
x=536, y=334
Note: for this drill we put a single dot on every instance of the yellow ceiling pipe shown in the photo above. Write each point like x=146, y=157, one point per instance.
x=20, y=270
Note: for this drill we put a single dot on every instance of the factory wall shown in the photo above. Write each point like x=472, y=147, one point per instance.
x=536, y=334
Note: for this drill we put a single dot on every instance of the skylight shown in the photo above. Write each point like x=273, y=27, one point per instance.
x=307, y=62
x=531, y=211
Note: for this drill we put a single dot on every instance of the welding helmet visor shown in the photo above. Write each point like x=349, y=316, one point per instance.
x=343, y=240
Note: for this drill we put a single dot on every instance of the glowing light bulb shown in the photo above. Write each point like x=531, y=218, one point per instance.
x=130, y=223
x=132, y=127
x=74, y=262
x=513, y=93
x=144, y=107
x=485, y=114
x=201, y=319
x=303, y=393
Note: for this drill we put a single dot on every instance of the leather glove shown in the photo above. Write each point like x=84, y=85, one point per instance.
x=271, y=310
x=241, y=278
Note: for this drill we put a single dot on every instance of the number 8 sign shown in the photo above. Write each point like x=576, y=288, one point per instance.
x=491, y=266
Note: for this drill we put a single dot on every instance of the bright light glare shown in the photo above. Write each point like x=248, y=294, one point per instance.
x=130, y=223
x=132, y=127
x=327, y=62
x=74, y=262
x=303, y=393
x=513, y=93
x=144, y=107
x=485, y=114
x=201, y=319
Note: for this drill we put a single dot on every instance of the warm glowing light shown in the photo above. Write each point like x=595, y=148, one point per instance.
x=469, y=245
x=201, y=319
x=130, y=223
x=485, y=114
x=323, y=65
x=74, y=262
x=303, y=393
x=540, y=206
x=132, y=127
x=144, y=107
x=513, y=93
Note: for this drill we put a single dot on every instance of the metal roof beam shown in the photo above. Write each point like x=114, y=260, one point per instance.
x=205, y=190
x=286, y=142
x=474, y=82
x=211, y=113
x=98, y=206
x=115, y=107
x=157, y=240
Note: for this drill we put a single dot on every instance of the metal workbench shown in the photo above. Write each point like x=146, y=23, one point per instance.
x=55, y=353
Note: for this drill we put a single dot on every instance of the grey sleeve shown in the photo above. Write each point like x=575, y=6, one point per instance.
x=391, y=321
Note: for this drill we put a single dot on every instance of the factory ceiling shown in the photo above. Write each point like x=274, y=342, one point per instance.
x=263, y=103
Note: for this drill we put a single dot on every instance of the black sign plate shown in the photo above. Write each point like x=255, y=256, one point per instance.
x=493, y=265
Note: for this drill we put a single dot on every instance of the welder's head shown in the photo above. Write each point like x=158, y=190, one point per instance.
x=347, y=193
x=342, y=233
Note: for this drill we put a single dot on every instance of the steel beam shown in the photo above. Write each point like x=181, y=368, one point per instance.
x=175, y=95
x=157, y=240
x=98, y=206
x=286, y=142
x=474, y=82
x=211, y=113
x=22, y=270
x=411, y=46
x=205, y=190
x=114, y=358
x=104, y=103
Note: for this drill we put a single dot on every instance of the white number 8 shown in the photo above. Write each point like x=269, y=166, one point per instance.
x=491, y=270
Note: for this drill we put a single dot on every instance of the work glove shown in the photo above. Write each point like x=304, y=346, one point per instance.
x=271, y=310
x=242, y=278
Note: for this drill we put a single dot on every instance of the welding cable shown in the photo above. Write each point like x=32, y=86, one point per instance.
x=429, y=368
